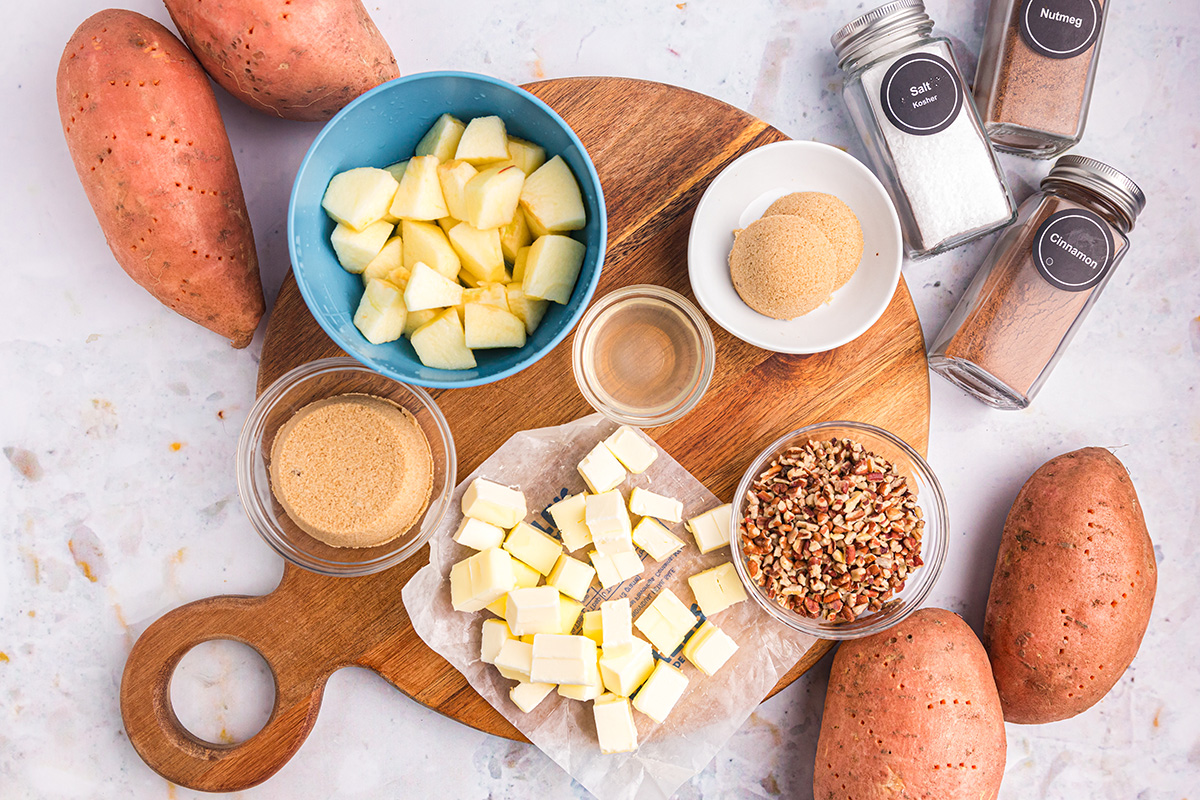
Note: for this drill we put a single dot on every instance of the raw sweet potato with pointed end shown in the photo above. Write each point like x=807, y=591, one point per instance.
x=1073, y=588
x=299, y=60
x=911, y=713
x=149, y=145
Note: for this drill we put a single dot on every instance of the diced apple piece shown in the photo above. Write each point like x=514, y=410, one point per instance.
x=446, y=223
x=487, y=326
x=400, y=276
x=491, y=197
x=522, y=258
x=356, y=249
x=529, y=309
x=552, y=267
x=479, y=251
x=536, y=229
x=454, y=176
x=490, y=294
x=469, y=280
x=526, y=155
x=442, y=139
x=514, y=236
x=359, y=197
x=440, y=343
x=429, y=289
x=381, y=313
x=397, y=170
x=416, y=319
x=551, y=198
x=426, y=243
x=483, y=141
x=384, y=264
x=420, y=193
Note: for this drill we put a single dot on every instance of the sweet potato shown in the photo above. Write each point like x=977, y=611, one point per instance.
x=911, y=713
x=149, y=145
x=1073, y=588
x=296, y=60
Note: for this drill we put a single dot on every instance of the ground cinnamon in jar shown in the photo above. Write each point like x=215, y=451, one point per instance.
x=1039, y=281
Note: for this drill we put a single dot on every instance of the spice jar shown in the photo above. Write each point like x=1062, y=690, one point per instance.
x=917, y=119
x=1036, y=70
x=1038, y=283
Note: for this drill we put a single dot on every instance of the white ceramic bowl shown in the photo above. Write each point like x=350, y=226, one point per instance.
x=739, y=196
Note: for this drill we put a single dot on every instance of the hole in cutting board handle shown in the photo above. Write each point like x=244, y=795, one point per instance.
x=222, y=691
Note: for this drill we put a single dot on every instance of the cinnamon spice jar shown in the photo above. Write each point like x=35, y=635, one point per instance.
x=1038, y=283
x=1037, y=66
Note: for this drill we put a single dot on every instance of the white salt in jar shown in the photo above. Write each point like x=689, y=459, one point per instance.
x=922, y=132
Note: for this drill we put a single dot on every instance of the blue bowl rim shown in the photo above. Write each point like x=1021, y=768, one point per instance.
x=534, y=355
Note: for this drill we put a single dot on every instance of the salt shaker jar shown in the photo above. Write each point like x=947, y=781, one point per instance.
x=1036, y=70
x=922, y=133
x=1038, y=283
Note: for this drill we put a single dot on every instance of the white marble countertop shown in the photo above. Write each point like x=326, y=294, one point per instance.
x=119, y=419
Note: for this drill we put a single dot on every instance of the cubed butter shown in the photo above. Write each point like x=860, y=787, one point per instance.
x=533, y=610
x=611, y=570
x=717, y=589
x=614, y=724
x=649, y=504
x=514, y=660
x=487, y=501
x=711, y=529
x=495, y=634
x=478, y=535
x=623, y=674
x=608, y=522
x=562, y=658
x=616, y=621
x=653, y=537
x=526, y=575
x=535, y=548
x=480, y=579
x=592, y=626
x=666, y=622
x=590, y=690
x=568, y=515
x=709, y=648
x=660, y=692
x=631, y=449
x=571, y=577
x=499, y=606
x=569, y=611
x=527, y=696
x=600, y=469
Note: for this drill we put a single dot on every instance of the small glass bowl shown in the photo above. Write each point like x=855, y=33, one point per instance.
x=934, y=539
x=316, y=380
x=643, y=355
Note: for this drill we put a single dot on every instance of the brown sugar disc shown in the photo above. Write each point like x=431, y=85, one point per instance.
x=836, y=221
x=782, y=266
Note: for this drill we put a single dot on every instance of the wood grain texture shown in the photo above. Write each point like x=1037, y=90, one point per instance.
x=655, y=158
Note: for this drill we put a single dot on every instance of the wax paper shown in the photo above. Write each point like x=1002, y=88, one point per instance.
x=542, y=463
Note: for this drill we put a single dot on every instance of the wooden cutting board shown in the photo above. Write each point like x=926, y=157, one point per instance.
x=656, y=148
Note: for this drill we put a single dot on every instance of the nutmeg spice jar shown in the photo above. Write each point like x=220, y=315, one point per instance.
x=1038, y=283
x=1036, y=70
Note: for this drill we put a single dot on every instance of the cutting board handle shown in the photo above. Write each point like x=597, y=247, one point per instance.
x=178, y=755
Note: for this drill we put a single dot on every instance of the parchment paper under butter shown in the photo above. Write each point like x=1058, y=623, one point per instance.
x=542, y=463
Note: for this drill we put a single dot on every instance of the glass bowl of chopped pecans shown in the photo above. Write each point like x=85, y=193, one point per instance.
x=840, y=529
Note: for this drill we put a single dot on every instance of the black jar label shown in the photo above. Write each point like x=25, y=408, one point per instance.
x=921, y=94
x=1060, y=28
x=1073, y=249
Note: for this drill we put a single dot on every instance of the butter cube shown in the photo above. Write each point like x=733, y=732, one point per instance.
x=608, y=522
x=660, y=692
x=478, y=535
x=495, y=634
x=490, y=502
x=528, y=638
x=533, y=547
x=526, y=575
x=589, y=690
x=653, y=537
x=711, y=529
x=561, y=658
x=568, y=515
x=592, y=626
x=534, y=610
x=649, y=504
x=499, y=606
x=571, y=577
x=631, y=449
x=614, y=724
x=666, y=622
x=569, y=611
x=527, y=696
x=616, y=621
x=514, y=660
x=717, y=589
x=600, y=469
x=623, y=674
x=611, y=570
x=709, y=648
x=480, y=579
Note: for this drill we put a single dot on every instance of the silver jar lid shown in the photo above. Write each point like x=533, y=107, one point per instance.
x=1102, y=180
x=886, y=23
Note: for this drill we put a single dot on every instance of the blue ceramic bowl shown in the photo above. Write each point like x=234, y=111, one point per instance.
x=382, y=127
